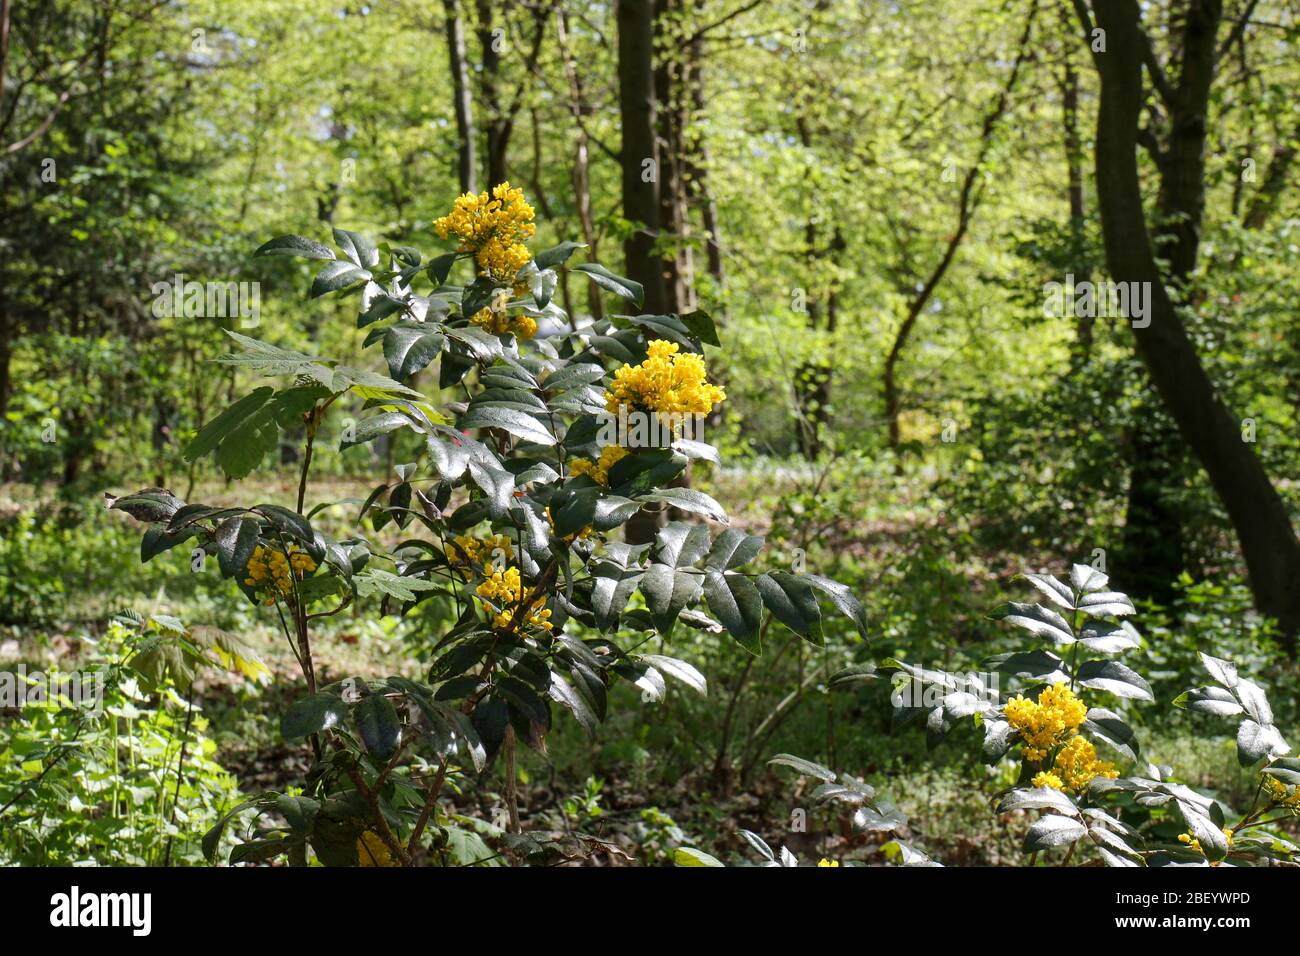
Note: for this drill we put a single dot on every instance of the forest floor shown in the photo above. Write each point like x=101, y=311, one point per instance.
x=657, y=776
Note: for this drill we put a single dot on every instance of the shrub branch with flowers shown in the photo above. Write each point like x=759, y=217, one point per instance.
x=513, y=502
x=1090, y=810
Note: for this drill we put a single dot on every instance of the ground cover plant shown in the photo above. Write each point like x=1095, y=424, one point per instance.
x=558, y=433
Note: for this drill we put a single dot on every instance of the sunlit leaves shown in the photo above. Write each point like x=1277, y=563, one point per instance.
x=1115, y=678
x=295, y=246
x=617, y=284
x=735, y=600
x=680, y=670
x=557, y=255
x=410, y=348
x=793, y=602
x=1052, y=831
x=1257, y=737
x=1037, y=619
x=149, y=505
x=263, y=358
x=357, y=249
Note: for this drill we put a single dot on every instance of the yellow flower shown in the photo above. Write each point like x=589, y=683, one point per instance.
x=1281, y=794
x=373, y=851
x=274, y=571
x=825, y=862
x=598, y=470
x=465, y=552
x=1046, y=779
x=665, y=382
x=502, y=259
x=1195, y=844
x=505, y=590
x=1077, y=765
x=1047, y=722
x=493, y=228
x=1050, y=723
x=499, y=323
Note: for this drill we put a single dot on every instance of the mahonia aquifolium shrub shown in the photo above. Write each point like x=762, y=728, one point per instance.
x=513, y=505
x=1051, y=729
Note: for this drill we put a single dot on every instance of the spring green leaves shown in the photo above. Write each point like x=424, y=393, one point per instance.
x=249, y=430
x=243, y=434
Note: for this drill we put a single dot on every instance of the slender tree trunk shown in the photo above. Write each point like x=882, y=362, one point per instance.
x=669, y=134
x=814, y=379
x=639, y=157
x=967, y=202
x=466, y=147
x=698, y=184
x=640, y=153
x=581, y=157
x=498, y=127
x=1074, y=152
x=808, y=374
x=712, y=228
x=1264, y=203
x=6, y=358
x=697, y=156
x=4, y=49
x=1263, y=525
x=1154, y=548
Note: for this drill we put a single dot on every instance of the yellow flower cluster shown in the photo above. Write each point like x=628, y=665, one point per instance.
x=1075, y=767
x=275, y=571
x=493, y=228
x=598, y=470
x=665, y=382
x=1281, y=794
x=466, y=552
x=506, y=590
x=373, y=851
x=1195, y=844
x=1051, y=722
x=826, y=862
x=1046, y=722
x=500, y=323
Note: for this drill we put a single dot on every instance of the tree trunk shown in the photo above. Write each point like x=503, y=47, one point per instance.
x=6, y=358
x=697, y=159
x=1154, y=527
x=814, y=379
x=1074, y=194
x=1152, y=552
x=466, y=149
x=639, y=154
x=1263, y=526
x=637, y=109
x=498, y=125
x=668, y=130
x=1270, y=190
x=581, y=158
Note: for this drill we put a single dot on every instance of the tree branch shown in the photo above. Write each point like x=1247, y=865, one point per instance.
x=37, y=133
